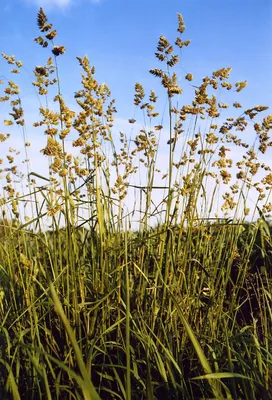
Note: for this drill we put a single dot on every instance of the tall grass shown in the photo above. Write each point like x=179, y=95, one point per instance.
x=94, y=308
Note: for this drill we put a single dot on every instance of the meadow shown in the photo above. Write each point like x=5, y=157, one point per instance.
x=93, y=306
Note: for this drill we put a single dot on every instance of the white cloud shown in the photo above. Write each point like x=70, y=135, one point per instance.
x=51, y=3
x=57, y=3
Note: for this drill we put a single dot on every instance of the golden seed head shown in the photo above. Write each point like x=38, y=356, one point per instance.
x=63, y=172
x=53, y=148
x=160, y=57
x=51, y=35
x=173, y=61
x=58, y=50
x=163, y=43
x=240, y=85
x=41, y=70
x=189, y=77
x=41, y=19
x=181, y=26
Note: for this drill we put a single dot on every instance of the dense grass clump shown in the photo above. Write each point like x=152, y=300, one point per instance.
x=93, y=305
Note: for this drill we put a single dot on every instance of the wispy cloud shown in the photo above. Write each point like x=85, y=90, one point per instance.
x=58, y=3
x=51, y=3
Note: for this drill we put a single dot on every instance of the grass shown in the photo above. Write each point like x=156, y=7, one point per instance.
x=93, y=308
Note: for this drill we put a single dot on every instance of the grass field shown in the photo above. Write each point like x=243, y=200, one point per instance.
x=92, y=307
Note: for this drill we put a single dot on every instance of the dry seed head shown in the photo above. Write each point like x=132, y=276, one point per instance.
x=252, y=112
x=172, y=90
x=10, y=158
x=226, y=176
x=123, y=195
x=222, y=73
x=214, y=83
x=50, y=117
x=181, y=26
x=8, y=178
x=58, y=50
x=189, y=77
x=40, y=40
x=41, y=19
x=169, y=50
x=191, y=110
x=51, y=35
x=163, y=43
x=240, y=85
x=9, y=59
x=3, y=137
x=8, y=122
x=63, y=172
x=139, y=94
x=267, y=180
x=12, y=89
x=222, y=105
x=64, y=133
x=17, y=113
x=51, y=131
x=153, y=97
x=179, y=42
x=56, y=165
x=173, y=61
x=53, y=148
x=229, y=203
x=21, y=122
x=41, y=70
x=211, y=138
x=157, y=72
x=161, y=57
x=4, y=98
x=53, y=210
x=267, y=207
x=15, y=102
x=226, y=85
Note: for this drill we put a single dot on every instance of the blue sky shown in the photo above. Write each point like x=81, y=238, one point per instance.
x=120, y=38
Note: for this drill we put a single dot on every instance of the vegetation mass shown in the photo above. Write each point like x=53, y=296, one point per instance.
x=92, y=307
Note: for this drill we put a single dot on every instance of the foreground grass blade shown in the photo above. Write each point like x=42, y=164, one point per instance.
x=11, y=384
x=88, y=389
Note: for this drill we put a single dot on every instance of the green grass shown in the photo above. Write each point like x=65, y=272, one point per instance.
x=93, y=308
